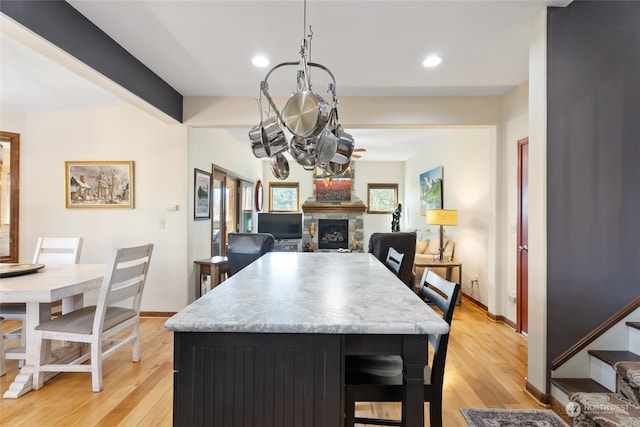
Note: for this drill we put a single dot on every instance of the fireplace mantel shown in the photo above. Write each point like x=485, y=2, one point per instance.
x=329, y=207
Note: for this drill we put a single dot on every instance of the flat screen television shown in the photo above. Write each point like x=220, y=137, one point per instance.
x=283, y=226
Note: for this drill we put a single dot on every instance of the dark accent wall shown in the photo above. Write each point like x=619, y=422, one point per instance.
x=59, y=23
x=593, y=166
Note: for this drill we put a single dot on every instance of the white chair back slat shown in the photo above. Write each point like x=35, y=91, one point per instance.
x=125, y=292
x=124, y=274
x=58, y=250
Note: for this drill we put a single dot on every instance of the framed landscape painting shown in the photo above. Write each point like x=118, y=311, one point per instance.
x=99, y=184
x=431, y=190
x=201, y=195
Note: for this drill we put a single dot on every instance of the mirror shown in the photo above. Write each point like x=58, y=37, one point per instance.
x=9, y=195
x=258, y=197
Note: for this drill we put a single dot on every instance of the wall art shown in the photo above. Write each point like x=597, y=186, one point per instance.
x=201, y=195
x=98, y=184
x=431, y=190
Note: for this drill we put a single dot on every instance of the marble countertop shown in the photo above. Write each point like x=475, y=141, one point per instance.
x=306, y=292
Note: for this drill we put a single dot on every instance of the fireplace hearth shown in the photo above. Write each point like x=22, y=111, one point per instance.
x=333, y=234
x=347, y=215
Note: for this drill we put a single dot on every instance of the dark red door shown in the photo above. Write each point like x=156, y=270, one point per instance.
x=522, y=324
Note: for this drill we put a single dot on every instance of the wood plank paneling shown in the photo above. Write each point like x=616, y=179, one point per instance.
x=257, y=380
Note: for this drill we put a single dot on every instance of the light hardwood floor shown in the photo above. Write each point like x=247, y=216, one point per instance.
x=486, y=368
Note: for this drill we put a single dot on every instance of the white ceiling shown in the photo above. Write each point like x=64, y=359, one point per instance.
x=204, y=48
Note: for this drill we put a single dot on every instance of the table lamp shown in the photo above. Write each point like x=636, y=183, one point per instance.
x=442, y=217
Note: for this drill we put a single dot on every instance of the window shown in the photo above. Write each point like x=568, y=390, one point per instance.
x=382, y=198
x=231, y=209
x=283, y=197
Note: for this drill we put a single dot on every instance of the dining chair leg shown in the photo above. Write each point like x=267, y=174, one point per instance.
x=38, y=375
x=96, y=365
x=135, y=347
x=435, y=412
x=349, y=409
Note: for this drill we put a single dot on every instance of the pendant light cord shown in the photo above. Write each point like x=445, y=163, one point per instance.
x=304, y=20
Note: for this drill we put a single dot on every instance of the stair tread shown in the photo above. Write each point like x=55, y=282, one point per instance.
x=574, y=385
x=613, y=356
x=635, y=325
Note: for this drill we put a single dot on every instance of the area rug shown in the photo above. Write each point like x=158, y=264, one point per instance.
x=512, y=418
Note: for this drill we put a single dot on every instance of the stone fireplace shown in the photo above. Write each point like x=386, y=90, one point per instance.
x=349, y=213
x=333, y=234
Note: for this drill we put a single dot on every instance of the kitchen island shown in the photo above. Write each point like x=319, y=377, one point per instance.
x=267, y=346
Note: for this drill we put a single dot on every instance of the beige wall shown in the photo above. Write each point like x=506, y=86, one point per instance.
x=161, y=179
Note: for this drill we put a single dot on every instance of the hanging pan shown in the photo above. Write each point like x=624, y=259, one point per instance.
x=280, y=166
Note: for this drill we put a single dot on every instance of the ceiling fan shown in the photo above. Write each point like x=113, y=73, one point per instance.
x=358, y=150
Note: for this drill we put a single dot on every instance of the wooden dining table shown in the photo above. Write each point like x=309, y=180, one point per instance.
x=268, y=345
x=66, y=282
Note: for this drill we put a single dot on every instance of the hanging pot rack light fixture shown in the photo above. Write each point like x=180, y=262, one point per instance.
x=317, y=138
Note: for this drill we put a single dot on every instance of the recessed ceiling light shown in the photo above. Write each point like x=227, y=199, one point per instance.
x=432, y=61
x=260, y=61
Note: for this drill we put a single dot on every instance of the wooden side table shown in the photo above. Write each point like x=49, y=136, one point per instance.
x=215, y=267
x=448, y=266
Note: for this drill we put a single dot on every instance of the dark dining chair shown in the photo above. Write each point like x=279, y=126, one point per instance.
x=403, y=242
x=244, y=248
x=394, y=261
x=379, y=378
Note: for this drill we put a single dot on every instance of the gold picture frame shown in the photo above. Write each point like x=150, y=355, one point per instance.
x=98, y=184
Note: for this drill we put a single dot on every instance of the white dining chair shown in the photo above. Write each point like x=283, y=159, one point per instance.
x=58, y=250
x=49, y=250
x=117, y=309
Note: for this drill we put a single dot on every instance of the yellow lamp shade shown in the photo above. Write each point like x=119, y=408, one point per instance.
x=442, y=217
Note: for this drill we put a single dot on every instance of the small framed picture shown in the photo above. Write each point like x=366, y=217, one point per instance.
x=201, y=195
x=97, y=184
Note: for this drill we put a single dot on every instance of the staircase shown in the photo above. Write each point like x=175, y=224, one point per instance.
x=604, y=393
